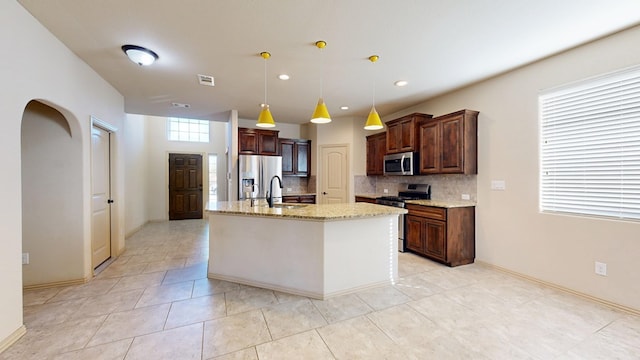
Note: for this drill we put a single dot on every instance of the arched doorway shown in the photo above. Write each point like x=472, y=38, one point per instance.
x=52, y=219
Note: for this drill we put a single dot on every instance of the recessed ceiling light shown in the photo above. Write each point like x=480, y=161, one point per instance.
x=401, y=83
x=283, y=77
x=344, y=108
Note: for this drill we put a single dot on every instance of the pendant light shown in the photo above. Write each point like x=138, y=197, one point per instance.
x=321, y=113
x=373, y=120
x=265, y=119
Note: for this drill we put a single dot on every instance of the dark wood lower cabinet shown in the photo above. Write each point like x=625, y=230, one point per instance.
x=365, y=199
x=303, y=199
x=446, y=235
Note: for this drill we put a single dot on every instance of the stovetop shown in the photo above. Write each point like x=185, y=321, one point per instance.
x=406, y=192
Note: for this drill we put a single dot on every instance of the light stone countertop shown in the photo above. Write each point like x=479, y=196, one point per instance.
x=318, y=212
x=442, y=203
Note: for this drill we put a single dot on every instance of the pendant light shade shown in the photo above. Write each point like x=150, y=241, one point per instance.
x=373, y=120
x=321, y=113
x=265, y=119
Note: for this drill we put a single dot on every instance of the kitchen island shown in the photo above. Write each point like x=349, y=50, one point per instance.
x=311, y=250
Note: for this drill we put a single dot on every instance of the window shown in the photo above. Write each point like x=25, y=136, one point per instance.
x=188, y=130
x=590, y=147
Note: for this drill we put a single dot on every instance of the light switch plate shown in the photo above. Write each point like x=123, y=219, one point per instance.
x=601, y=268
x=466, y=197
x=25, y=258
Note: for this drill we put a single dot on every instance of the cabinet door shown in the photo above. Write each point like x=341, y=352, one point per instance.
x=288, y=159
x=430, y=148
x=393, y=138
x=302, y=158
x=247, y=142
x=435, y=239
x=414, y=231
x=381, y=150
x=452, y=144
x=268, y=143
x=407, y=135
x=290, y=199
x=376, y=149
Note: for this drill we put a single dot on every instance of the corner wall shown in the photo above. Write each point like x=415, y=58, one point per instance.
x=511, y=232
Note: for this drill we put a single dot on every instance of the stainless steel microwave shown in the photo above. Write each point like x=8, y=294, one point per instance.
x=401, y=164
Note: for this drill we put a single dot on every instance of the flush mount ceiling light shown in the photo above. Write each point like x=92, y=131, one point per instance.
x=321, y=113
x=283, y=77
x=265, y=119
x=140, y=55
x=401, y=83
x=373, y=120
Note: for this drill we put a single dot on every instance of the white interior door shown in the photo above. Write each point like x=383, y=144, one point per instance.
x=334, y=185
x=101, y=197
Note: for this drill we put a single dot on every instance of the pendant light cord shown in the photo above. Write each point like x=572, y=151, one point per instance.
x=265, y=82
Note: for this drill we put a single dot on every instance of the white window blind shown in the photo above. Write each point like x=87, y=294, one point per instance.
x=188, y=130
x=590, y=147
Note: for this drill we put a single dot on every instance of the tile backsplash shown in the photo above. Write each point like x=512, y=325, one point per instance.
x=443, y=187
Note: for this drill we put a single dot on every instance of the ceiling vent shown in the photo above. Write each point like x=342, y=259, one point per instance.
x=206, y=80
x=180, y=105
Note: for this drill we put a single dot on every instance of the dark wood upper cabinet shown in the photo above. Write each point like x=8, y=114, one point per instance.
x=402, y=133
x=448, y=144
x=258, y=142
x=376, y=149
x=296, y=157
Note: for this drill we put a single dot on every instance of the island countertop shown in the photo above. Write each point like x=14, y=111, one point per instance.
x=307, y=211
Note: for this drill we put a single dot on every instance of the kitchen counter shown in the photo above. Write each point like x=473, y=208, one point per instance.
x=318, y=212
x=318, y=251
x=448, y=204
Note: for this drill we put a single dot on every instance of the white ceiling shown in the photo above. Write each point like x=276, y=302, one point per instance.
x=436, y=45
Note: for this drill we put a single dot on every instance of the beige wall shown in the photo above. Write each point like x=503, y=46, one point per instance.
x=135, y=173
x=511, y=232
x=51, y=180
x=156, y=162
x=41, y=67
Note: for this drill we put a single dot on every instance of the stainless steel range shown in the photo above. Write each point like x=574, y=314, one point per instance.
x=405, y=192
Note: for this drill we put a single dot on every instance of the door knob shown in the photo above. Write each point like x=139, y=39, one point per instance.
x=109, y=201
x=324, y=193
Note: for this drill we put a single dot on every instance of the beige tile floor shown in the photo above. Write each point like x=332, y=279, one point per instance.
x=155, y=302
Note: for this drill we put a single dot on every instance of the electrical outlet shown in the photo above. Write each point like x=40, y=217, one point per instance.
x=25, y=258
x=289, y=189
x=386, y=191
x=601, y=268
x=498, y=185
x=466, y=197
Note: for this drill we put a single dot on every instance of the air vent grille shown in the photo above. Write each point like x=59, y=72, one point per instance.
x=180, y=105
x=206, y=80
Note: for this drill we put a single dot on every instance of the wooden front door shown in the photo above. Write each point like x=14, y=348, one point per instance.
x=185, y=186
x=100, y=197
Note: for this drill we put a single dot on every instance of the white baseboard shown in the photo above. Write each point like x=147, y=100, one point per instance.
x=11, y=339
x=598, y=300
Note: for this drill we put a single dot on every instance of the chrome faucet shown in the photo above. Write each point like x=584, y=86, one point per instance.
x=270, y=193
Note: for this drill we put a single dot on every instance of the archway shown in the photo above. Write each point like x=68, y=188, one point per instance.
x=52, y=225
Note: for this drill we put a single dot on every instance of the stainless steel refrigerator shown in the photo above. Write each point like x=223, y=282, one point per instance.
x=254, y=176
